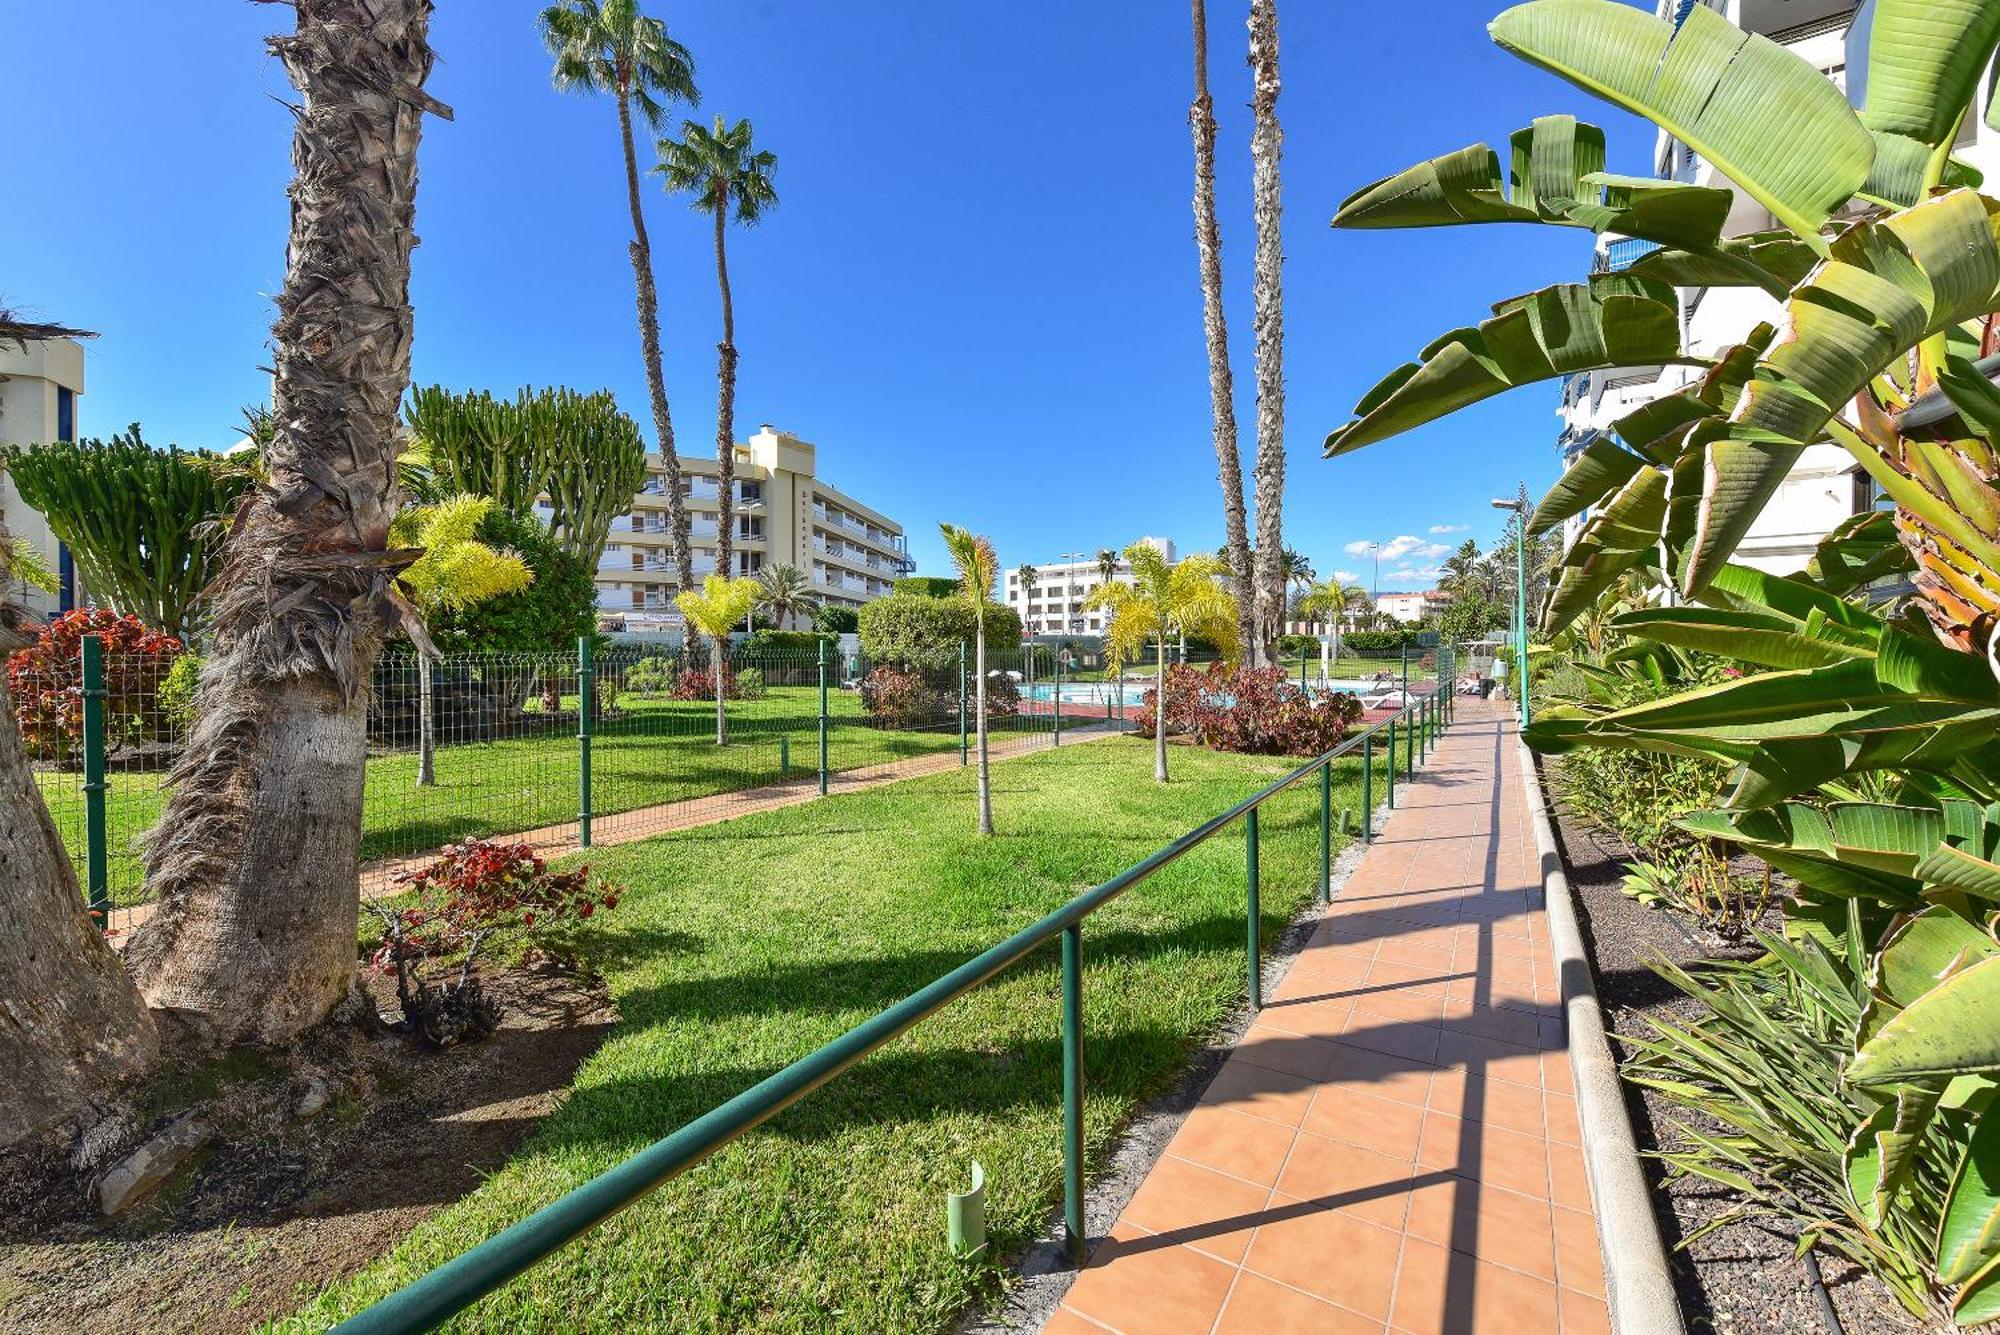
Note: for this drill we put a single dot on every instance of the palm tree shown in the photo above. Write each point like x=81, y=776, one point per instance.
x=455, y=571
x=1163, y=602
x=1268, y=323
x=1215, y=327
x=1029, y=577
x=978, y=568
x=608, y=46
x=719, y=167
x=1326, y=601
x=255, y=863
x=784, y=592
x=713, y=611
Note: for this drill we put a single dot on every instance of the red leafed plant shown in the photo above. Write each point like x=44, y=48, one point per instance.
x=476, y=892
x=698, y=683
x=46, y=681
x=1256, y=711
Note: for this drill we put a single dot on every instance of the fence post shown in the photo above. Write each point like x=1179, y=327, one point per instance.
x=1368, y=787
x=1072, y=1041
x=1056, y=696
x=1254, y=932
x=964, y=755
x=822, y=718
x=586, y=706
x=1392, y=764
x=96, y=874
x=1409, y=749
x=1326, y=832
x=784, y=759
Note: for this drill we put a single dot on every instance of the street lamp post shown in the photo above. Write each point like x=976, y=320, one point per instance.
x=1521, y=509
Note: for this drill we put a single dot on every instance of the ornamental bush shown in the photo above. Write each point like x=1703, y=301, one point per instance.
x=649, y=676
x=697, y=682
x=1254, y=711
x=919, y=632
x=46, y=682
x=927, y=586
x=896, y=697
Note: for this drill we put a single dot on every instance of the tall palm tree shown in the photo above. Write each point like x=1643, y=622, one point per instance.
x=609, y=46
x=1268, y=322
x=978, y=569
x=721, y=168
x=1326, y=601
x=784, y=592
x=1161, y=603
x=1215, y=327
x=714, y=612
x=1029, y=577
x=255, y=863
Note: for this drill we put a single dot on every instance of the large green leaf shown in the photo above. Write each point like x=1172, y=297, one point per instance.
x=1884, y=1149
x=1549, y=159
x=1614, y=320
x=1813, y=703
x=1949, y=1030
x=1858, y=552
x=1768, y=639
x=1780, y=254
x=1621, y=537
x=1768, y=120
x=1602, y=468
x=1924, y=62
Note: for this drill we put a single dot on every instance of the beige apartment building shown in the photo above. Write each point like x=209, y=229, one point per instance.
x=785, y=515
x=40, y=383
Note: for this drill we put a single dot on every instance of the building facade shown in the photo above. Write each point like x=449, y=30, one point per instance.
x=1054, y=604
x=41, y=383
x=1825, y=487
x=785, y=514
x=1410, y=608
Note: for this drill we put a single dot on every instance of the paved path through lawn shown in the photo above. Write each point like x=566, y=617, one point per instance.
x=1393, y=1145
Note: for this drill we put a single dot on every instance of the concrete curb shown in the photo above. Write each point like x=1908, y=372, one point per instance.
x=1638, y=1284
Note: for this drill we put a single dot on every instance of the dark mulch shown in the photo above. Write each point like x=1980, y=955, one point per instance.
x=279, y=1204
x=1743, y=1277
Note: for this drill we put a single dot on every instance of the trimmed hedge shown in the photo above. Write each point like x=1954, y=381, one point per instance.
x=927, y=586
x=831, y=620
x=923, y=632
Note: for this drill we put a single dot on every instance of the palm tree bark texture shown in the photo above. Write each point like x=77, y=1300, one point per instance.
x=254, y=863
x=1268, y=321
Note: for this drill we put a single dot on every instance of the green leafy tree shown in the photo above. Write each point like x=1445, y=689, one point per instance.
x=724, y=172
x=713, y=611
x=1162, y=603
x=145, y=524
x=978, y=573
x=1326, y=601
x=543, y=618
x=785, y=592
x=609, y=47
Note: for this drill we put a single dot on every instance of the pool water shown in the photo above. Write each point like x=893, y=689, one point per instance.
x=1106, y=693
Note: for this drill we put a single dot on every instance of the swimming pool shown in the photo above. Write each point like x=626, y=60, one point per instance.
x=1106, y=693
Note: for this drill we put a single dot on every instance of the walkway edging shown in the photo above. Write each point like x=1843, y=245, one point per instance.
x=1638, y=1283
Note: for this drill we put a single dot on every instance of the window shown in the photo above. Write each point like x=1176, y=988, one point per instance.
x=65, y=413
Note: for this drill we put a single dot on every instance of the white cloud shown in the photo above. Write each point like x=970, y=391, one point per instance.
x=1451, y=528
x=1345, y=576
x=1415, y=574
x=1403, y=548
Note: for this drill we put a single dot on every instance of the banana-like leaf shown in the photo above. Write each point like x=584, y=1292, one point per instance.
x=1785, y=768
x=1600, y=470
x=1924, y=61
x=1858, y=552
x=1978, y=1299
x=1844, y=699
x=1969, y=1233
x=1799, y=599
x=1871, y=835
x=1768, y=639
x=1889, y=285
x=1947, y=1031
x=1549, y=160
x=1621, y=537
x=1612, y=321
x=1956, y=869
x=1883, y=1150
x=1780, y=254
x=1768, y=120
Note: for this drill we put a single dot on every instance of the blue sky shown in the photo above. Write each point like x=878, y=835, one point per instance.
x=979, y=294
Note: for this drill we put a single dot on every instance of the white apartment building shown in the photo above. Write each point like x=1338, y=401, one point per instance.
x=1825, y=487
x=1410, y=608
x=40, y=383
x=785, y=515
x=1054, y=605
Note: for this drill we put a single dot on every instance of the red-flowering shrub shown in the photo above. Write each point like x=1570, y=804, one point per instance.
x=1256, y=711
x=477, y=891
x=46, y=681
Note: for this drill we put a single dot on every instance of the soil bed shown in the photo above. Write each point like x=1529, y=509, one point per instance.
x=1744, y=1277
x=280, y=1202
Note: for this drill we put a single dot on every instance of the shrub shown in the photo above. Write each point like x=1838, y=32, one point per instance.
x=896, y=697
x=1255, y=711
x=46, y=681
x=802, y=645
x=921, y=632
x=750, y=684
x=475, y=894
x=176, y=700
x=547, y=617
x=1291, y=646
x=926, y=586
x=1378, y=641
x=831, y=620
x=649, y=676
x=697, y=682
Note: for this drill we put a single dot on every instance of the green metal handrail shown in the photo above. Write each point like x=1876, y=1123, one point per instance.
x=431, y=1299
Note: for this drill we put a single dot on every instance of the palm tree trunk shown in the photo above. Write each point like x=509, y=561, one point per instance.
x=1221, y=381
x=1160, y=718
x=979, y=696
x=725, y=403
x=72, y=1027
x=426, y=726
x=255, y=862
x=649, y=345
x=721, y=713
x=1268, y=319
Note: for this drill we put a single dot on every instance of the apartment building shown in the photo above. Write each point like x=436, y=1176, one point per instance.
x=1824, y=487
x=40, y=383
x=1054, y=604
x=785, y=514
x=1411, y=608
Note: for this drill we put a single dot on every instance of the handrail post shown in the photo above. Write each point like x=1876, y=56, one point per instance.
x=1254, y=932
x=1326, y=832
x=586, y=706
x=964, y=757
x=1410, y=749
x=1056, y=696
x=1368, y=787
x=96, y=843
x=822, y=718
x=1072, y=1041
x=1392, y=764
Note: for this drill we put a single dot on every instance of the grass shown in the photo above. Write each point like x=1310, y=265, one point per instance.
x=741, y=947
x=659, y=751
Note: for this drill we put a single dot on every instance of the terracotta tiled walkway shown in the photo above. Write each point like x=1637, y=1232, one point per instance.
x=1393, y=1145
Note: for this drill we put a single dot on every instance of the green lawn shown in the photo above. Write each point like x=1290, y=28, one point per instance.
x=741, y=947
x=658, y=751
